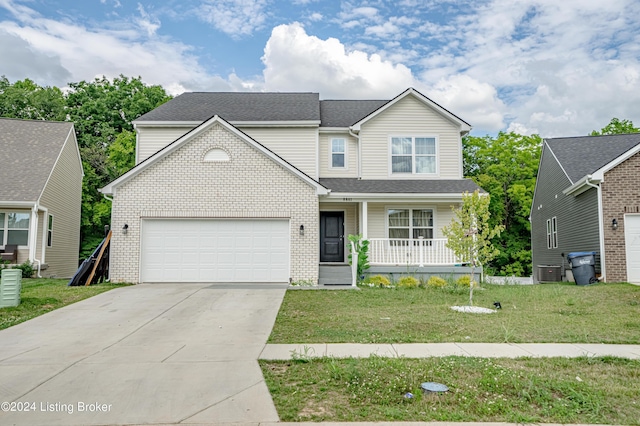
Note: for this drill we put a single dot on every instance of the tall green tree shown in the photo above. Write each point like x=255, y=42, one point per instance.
x=26, y=100
x=102, y=111
x=506, y=167
x=616, y=127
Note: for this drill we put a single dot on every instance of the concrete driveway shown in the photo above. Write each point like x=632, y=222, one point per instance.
x=152, y=353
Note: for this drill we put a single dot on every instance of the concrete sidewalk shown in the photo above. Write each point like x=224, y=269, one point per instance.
x=424, y=350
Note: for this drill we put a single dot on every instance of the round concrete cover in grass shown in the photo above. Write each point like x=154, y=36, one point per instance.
x=434, y=387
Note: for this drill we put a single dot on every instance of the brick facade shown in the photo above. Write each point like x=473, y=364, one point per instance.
x=620, y=196
x=250, y=185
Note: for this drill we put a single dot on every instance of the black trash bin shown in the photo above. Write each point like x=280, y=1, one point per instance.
x=583, y=266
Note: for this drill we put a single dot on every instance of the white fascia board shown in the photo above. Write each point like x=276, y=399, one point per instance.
x=310, y=123
x=624, y=157
x=464, y=127
x=333, y=130
x=583, y=184
x=137, y=124
x=109, y=188
x=17, y=204
x=395, y=197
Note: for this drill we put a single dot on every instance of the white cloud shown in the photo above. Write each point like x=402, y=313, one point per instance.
x=147, y=22
x=295, y=60
x=237, y=18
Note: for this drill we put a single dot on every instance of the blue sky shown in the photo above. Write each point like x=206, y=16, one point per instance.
x=553, y=67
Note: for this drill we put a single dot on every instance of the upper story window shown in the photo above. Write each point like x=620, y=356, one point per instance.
x=14, y=228
x=338, y=153
x=413, y=154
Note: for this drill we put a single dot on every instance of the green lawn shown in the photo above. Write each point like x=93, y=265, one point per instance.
x=562, y=313
x=42, y=295
x=541, y=390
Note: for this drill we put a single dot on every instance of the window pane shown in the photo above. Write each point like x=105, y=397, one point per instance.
x=399, y=233
x=1, y=220
x=401, y=146
x=337, y=160
x=401, y=164
x=1, y=237
x=19, y=220
x=422, y=218
x=20, y=238
x=426, y=146
x=425, y=164
x=423, y=232
x=399, y=218
x=337, y=145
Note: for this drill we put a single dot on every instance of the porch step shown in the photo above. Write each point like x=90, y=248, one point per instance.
x=334, y=275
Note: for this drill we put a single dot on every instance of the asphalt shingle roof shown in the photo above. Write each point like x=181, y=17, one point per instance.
x=344, y=113
x=28, y=152
x=238, y=106
x=580, y=156
x=433, y=186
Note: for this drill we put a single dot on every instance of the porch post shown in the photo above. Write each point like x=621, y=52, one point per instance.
x=33, y=233
x=365, y=224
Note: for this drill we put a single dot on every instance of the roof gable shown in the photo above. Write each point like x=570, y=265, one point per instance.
x=463, y=125
x=110, y=188
x=29, y=151
x=586, y=155
x=237, y=107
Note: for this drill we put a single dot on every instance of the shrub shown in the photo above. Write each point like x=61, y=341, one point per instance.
x=378, y=281
x=407, y=282
x=27, y=269
x=465, y=281
x=436, y=282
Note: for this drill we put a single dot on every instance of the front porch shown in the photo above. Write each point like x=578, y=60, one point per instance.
x=417, y=252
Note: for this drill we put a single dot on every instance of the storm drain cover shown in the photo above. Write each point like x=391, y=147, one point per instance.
x=434, y=387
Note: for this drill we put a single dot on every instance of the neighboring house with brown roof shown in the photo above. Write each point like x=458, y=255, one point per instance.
x=266, y=187
x=41, y=194
x=587, y=198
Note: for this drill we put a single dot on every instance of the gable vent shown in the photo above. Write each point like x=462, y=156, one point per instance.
x=216, y=155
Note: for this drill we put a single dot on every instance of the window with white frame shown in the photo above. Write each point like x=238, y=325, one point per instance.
x=415, y=155
x=552, y=233
x=410, y=223
x=50, y=231
x=338, y=158
x=14, y=228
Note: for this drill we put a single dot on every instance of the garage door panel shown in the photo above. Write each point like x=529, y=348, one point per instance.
x=221, y=250
x=632, y=245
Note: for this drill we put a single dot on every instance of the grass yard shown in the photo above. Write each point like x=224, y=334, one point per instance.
x=42, y=295
x=540, y=390
x=561, y=313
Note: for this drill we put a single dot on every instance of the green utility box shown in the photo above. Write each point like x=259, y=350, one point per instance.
x=10, y=285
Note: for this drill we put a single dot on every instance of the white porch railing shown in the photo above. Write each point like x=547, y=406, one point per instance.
x=420, y=252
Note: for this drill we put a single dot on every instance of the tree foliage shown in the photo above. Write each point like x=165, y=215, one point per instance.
x=506, y=167
x=470, y=233
x=616, y=127
x=102, y=111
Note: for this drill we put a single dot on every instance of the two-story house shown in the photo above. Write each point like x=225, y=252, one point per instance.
x=265, y=187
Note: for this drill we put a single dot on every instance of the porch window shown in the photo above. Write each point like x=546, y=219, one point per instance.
x=410, y=223
x=14, y=228
x=338, y=153
x=416, y=155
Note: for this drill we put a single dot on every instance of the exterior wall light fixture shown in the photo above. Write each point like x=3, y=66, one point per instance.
x=125, y=228
x=614, y=224
x=301, y=229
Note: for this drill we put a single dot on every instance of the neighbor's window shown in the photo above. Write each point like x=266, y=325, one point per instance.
x=50, y=231
x=338, y=153
x=554, y=232
x=410, y=223
x=415, y=155
x=14, y=228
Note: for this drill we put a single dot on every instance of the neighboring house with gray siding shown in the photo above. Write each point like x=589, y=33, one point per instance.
x=266, y=187
x=587, y=198
x=40, y=194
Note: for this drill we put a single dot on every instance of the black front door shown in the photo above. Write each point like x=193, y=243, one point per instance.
x=331, y=236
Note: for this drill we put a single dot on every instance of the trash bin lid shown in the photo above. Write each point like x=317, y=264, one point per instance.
x=580, y=254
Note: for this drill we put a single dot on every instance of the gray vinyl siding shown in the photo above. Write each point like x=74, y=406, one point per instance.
x=577, y=217
x=410, y=117
x=62, y=196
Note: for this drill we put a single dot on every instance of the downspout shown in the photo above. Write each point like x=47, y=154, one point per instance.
x=600, y=227
x=33, y=236
x=359, y=150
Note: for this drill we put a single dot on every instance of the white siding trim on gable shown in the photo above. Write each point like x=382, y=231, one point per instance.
x=409, y=116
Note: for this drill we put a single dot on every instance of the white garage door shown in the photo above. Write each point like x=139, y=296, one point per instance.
x=632, y=243
x=224, y=250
